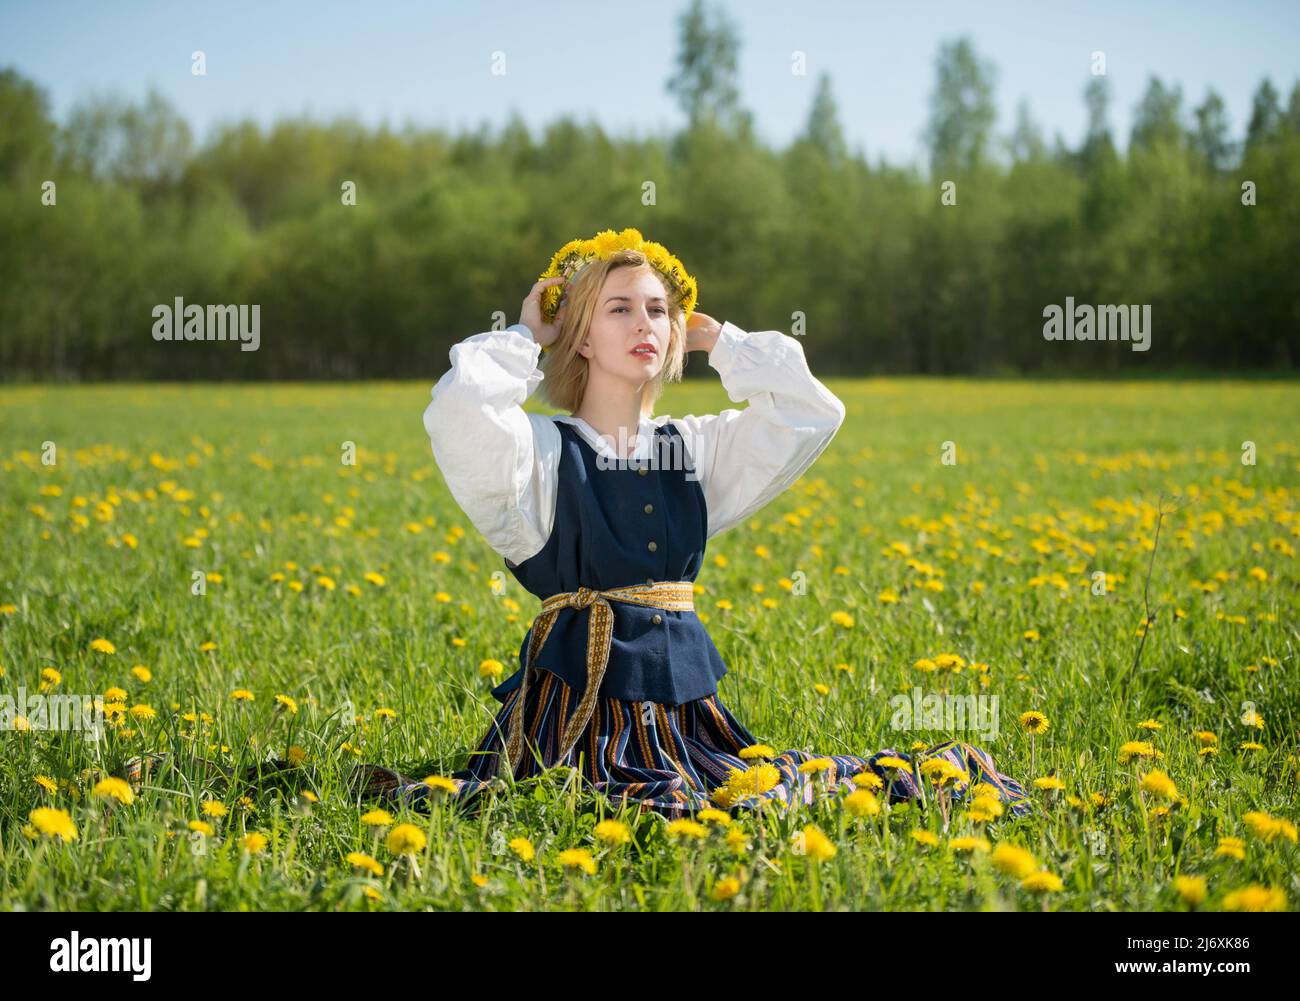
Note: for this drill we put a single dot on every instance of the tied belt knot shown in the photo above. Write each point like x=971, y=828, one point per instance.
x=669, y=595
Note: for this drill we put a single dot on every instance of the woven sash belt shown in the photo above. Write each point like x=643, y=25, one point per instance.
x=670, y=595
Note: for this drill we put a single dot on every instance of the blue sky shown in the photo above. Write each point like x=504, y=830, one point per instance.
x=429, y=63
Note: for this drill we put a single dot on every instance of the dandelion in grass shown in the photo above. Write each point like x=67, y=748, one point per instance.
x=970, y=845
x=1191, y=889
x=711, y=816
x=1256, y=898
x=254, y=843
x=1033, y=723
x=612, y=832
x=406, y=839
x=360, y=860
x=1013, y=860
x=53, y=823
x=213, y=808
x=1232, y=848
x=757, y=751
x=101, y=645
x=241, y=695
x=1137, y=749
x=927, y=838
x=1041, y=882
x=1158, y=784
x=47, y=783
x=523, y=848
x=1268, y=828
x=376, y=818
x=862, y=803
x=725, y=888
x=284, y=703
x=578, y=858
x=685, y=828
x=142, y=674
x=816, y=845
x=114, y=788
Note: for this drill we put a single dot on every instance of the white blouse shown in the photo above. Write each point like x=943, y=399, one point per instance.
x=501, y=463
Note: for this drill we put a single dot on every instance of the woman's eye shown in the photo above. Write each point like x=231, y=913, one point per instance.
x=657, y=309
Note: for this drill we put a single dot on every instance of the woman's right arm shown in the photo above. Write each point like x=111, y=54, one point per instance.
x=499, y=462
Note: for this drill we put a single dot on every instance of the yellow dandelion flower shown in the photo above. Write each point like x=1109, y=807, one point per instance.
x=1159, y=784
x=1232, y=848
x=254, y=843
x=816, y=845
x=862, y=803
x=113, y=788
x=360, y=860
x=201, y=827
x=102, y=646
x=612, y=832
x=285, y=702
x=842, y=619
x=968, y=844
x=406, y=839
x=142, y=674
x=757, y=751
x=928, y=838
x=377, y=818
x=523, y=848
x=242, y=695
x=1256, y=898
x=684, y=828
x=1013, y=860
x=1041, y=882
x=1034, y=722
x=578, y=858
x=725, y=888
x=1191, y=888
x=53, y=823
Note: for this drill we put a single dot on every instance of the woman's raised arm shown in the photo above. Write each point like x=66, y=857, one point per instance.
x=746, y=458
x=500, y=462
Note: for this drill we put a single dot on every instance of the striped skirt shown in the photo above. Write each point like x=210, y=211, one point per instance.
x=676, y=760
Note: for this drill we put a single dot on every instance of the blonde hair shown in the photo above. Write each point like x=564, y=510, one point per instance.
x=566, y=371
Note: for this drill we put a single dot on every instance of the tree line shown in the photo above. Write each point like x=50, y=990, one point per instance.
x=369, y=251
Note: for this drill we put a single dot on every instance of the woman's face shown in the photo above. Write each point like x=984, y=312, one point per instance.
x=631, y=310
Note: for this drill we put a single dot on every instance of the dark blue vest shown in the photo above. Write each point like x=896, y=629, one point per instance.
x=605, y=522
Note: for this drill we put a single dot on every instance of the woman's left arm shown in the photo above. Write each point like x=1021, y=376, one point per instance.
x=746, y=458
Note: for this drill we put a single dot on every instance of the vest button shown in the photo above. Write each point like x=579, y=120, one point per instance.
x=656, y=618
x=652, y=545
x=644, y=470
x=649, y=509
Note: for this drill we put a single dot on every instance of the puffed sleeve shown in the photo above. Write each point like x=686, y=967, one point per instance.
x=499, y=462
x=745, y=458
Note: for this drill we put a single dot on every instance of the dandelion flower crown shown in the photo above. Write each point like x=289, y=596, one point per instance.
x=576, y=254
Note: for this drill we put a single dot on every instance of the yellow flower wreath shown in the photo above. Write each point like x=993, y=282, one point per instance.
x=570, y=259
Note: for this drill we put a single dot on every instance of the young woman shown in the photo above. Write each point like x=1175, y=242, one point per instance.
x=604, y=515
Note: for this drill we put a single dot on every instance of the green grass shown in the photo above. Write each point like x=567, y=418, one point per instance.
x=1051, y=478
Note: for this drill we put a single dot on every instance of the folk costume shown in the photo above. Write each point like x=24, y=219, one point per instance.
x=617, y=676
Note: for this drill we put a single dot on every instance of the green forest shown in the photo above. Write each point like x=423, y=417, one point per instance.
x=371, y=250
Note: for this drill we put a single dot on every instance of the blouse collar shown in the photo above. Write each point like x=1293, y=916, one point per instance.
x=644, y=441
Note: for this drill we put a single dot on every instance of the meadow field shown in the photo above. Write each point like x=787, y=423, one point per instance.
x=205, y=562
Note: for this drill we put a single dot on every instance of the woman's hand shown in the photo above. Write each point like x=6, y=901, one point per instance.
x=702, y=332
x=530, y=314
